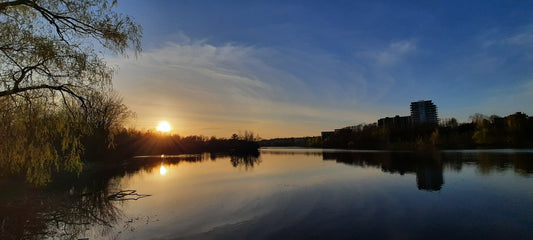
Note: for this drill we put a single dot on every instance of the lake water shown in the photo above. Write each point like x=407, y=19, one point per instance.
x=290, y=193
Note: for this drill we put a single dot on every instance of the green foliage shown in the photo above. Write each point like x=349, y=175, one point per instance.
x=514, y=131
x=54, y=84
x=434, y=139
x=313, y=142
x=49, y=44
x=40, y=140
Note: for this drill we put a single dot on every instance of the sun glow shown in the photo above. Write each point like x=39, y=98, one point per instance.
x=162, y=170
x=163, y=126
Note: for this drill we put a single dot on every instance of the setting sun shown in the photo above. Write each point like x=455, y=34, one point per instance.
x=163, y=126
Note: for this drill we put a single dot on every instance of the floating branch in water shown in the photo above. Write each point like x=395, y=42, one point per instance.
x=126, y=195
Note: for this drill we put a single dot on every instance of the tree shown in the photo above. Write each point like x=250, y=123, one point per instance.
x=38, y=139
x=48, y=45
x=106, y=114
x=51, y=65
x=479, y=119
x=449, y=123
x=104, y=117
x=517, y=129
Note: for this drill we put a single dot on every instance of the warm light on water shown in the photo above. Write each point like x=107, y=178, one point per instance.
x=162, y=170
x=304, y=193
x=311, y=194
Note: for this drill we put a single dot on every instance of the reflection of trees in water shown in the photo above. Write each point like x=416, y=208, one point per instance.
x=487, y=163
x=70, y=215
x=292, y=152
x=429, y=167
x=248, y=161
x=63, y=210
x=58, y=215
x=70, y=205
x=147, y=163
x=490, y=162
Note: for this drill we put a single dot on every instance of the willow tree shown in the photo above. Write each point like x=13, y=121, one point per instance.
x=51, y=60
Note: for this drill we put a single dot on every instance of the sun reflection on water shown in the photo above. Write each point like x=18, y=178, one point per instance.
x=162, y=170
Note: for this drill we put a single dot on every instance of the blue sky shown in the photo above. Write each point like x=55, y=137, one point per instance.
x=295, y=68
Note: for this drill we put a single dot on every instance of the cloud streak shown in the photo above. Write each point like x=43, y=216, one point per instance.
x=394, y=53
x=216, y=90
x=276, y=92
x=289, y=69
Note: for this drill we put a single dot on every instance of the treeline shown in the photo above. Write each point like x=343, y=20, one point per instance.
x=292, y=142
x=513, y=131
x=131, y=142
x=41, y=138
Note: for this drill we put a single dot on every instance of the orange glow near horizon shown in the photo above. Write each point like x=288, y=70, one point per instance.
x=164, y=126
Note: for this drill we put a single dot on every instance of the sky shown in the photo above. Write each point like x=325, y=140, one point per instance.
x=296, y=68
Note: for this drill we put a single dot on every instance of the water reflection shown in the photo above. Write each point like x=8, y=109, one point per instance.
x=290, y=188
x=327, y=194
x=429, y=176
x=246, y=161
x=162, y=170
x=62, y=212
x=71, y=205
x=429, y=166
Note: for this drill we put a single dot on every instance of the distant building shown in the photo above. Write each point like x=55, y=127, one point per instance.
x=396, y=122
x=348, y=129
x=327, y=134
x=424, y=112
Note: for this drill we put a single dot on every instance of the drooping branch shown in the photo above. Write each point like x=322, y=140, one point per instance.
x=106, y=26
x=62, y=88
x=56, y=20
x=35, y=60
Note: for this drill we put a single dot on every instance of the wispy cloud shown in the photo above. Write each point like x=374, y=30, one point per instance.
x=226, y=88
x=394, y=53
x=522, y=37
x=381, y=65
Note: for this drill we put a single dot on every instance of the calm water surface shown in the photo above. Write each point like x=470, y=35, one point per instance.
x=287, y=193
